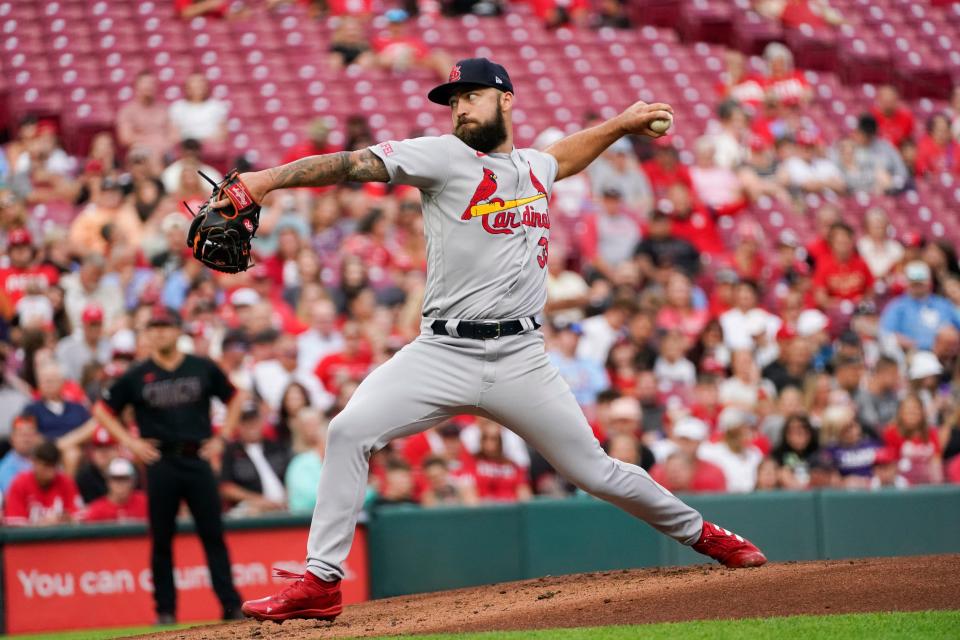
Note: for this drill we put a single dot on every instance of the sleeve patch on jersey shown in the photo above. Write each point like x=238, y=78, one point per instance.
x=386, y=148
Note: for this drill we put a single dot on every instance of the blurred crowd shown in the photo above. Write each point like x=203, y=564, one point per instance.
x=551, y=13
x=730, y=363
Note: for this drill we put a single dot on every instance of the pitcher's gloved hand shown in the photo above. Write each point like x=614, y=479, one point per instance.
x=220, y=237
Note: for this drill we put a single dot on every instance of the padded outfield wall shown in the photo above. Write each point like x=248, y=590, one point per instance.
x=414, y=550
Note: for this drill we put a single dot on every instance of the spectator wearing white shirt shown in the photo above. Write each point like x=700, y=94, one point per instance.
x=686, y=436
x=570, y=195
x=600, y=332
x=876, y=247
x=745, y=387
x=199, y=116
x=804, y=168
x=272, y=377
x=739, y=322
x=86, y=345
x=88, y=286
x=322, y=338
x=189, y=160
x=671, y=366
x=734, y=453
x=730, y=142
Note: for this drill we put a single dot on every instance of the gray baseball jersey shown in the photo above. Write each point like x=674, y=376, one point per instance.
x=486, y=221
x=487, y=228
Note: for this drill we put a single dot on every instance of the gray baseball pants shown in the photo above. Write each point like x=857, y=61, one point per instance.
x=509, y=380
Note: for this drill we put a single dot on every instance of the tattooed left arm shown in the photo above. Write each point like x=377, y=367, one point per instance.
x=315, y=171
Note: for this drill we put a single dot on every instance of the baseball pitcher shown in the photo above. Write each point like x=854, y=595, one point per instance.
x=487, y=225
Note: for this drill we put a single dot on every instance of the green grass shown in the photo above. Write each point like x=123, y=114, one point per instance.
x=922, y=624
x=103, y=634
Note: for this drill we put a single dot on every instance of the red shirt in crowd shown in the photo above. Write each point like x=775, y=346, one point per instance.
x=397, y=47
x=706, y=477
x=27, y=502
x=700, y=230
x=15, y=281
x=817, y=249
x=934, y=158
x=218, y=12
x=848, y=280
x=662, y=178
x=915, y=453
x=545, y=8
x=373, y=252
x=418, y=446
x=337, y=367
x=498, y=480
x=896, y=127
x=348, y=7
x=788, y=89
x=798, y=12
x=748, y=90
x=104, y=510
x=953, y=470
x=688, y=322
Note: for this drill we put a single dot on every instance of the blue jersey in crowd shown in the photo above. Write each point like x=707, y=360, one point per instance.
x=919, y=319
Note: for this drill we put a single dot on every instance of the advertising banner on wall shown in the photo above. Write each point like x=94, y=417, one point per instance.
x=105, y=582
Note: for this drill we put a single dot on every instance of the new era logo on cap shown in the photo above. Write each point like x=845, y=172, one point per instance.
x=497, y=78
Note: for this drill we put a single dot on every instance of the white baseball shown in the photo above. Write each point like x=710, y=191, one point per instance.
x=660, y=126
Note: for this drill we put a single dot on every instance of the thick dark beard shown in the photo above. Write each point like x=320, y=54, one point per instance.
x=484, y=137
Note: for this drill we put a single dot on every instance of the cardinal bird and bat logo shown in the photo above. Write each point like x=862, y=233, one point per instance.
x=482, y=205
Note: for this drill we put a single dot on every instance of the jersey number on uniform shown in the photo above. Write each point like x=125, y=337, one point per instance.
x=542, y=256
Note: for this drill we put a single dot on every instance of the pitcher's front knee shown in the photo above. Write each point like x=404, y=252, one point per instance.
x=344, y=434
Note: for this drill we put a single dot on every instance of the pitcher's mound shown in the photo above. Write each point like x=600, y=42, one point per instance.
x=634, y=597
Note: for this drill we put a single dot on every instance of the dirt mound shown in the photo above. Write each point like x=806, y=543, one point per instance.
x=634, y=597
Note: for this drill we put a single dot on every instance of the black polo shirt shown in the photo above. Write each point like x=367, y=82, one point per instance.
x=171, y=406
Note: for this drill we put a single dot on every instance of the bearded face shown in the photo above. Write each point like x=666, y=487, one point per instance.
x=486, y=135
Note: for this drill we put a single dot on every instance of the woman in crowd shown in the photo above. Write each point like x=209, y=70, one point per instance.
x=295, y=398
x=797, y=446
x=915, y=442
x=498, y=478
x=678, y=312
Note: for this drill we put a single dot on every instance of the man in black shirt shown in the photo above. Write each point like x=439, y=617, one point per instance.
x=661, y=249
x=170, y=393
x=793, y=365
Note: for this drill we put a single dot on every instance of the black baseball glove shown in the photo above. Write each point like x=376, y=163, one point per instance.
x=220, y=238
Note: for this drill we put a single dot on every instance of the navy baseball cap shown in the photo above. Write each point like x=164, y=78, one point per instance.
x=471, y=72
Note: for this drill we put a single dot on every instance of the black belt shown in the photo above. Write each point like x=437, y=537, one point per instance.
x=183, y=449
x=477, y=330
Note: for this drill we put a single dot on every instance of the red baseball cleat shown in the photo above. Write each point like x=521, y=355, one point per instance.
x=727, y=548
x=309, y=598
